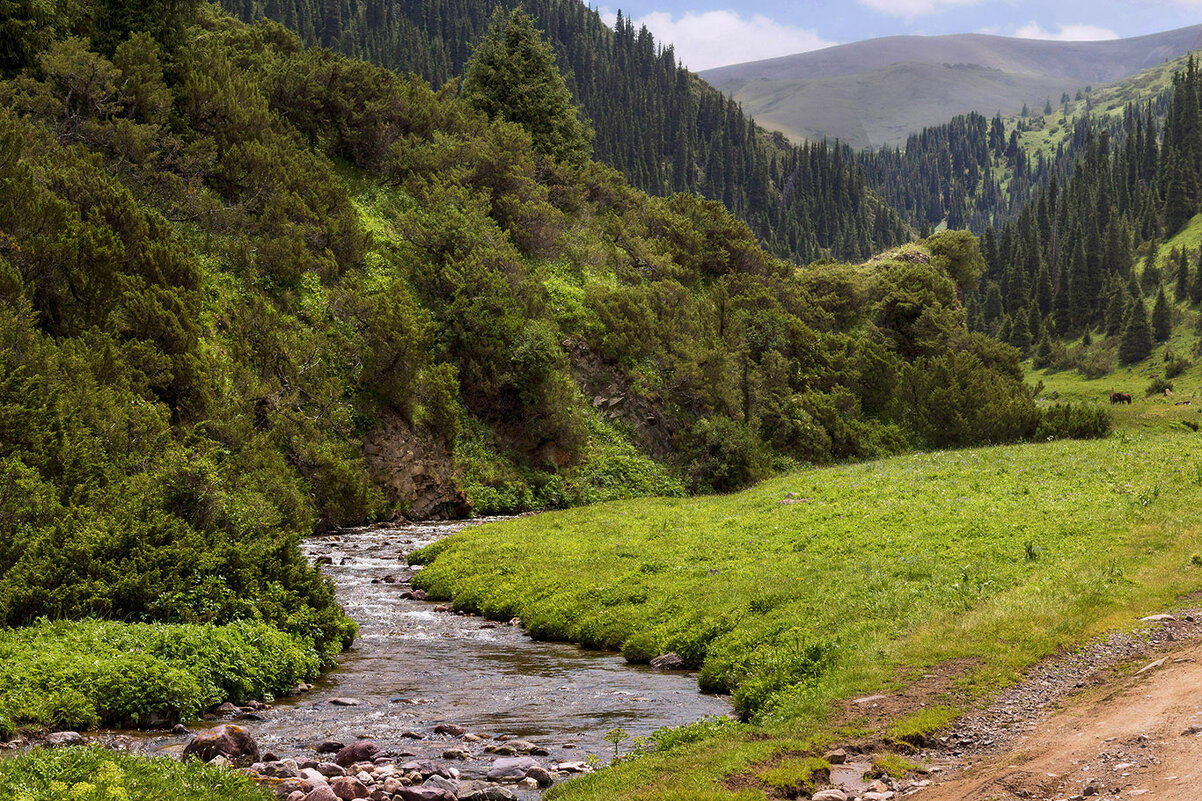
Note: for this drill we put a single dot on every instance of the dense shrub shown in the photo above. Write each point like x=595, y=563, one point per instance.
x=1074, y=421
x=725, y=456
x=77, y=675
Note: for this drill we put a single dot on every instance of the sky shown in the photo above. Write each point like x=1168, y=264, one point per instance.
x=712, y=33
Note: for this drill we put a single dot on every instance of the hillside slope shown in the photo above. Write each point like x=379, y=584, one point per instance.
x=657, y=123
x=904, y=83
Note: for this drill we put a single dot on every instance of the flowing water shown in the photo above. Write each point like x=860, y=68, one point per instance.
x=412, y=668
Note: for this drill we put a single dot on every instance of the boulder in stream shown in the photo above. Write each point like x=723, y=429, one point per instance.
x=452, y=729
x=63, y=738
x=361, y=751
x=511, y=769
x=230, y=741
x=668, y=661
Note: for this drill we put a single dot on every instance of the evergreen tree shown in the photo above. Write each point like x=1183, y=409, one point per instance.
x=1043, y=352
x=1116, y=309
x=1162, y=317
x=1136, y=344
x=1183, y=276
x=512, y=75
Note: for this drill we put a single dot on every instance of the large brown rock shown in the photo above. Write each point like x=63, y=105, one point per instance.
x=321, y=794
x=360, y=751
x=348, y=788
x=230, y=741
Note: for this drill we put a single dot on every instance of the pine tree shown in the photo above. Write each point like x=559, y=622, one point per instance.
x=512, y=75
x=1136, y=344
x=1162, y=317
x=1043, y=352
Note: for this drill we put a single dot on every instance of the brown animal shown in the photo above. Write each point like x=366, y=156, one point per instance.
x=1120, y=397
x=1168, y=393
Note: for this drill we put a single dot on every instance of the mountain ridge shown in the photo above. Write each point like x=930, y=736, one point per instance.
x=905, y=83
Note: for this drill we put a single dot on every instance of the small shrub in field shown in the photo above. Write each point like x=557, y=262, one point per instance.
x=917, y=728
x=1175, y=365
x=1157, y=386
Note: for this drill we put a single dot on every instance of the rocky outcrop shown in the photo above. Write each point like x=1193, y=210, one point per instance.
x=415, y=472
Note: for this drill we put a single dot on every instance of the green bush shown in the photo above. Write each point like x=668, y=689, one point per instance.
x=78, y=675
x=725, y=456
x=1157, y=386
x=1073, y=421
x=98, y=774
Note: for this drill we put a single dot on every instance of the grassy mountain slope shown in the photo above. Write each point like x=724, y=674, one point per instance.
x=905, y=83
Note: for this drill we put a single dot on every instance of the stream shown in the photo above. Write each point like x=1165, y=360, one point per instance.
x=412, y=668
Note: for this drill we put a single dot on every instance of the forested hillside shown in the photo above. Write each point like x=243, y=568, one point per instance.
x=662, y=127
x=974, y=172
x=1083, y=257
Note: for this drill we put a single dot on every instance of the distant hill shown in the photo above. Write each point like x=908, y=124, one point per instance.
x=877, y=92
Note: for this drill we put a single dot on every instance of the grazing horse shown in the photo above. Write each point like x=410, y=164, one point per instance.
x=1120, y=397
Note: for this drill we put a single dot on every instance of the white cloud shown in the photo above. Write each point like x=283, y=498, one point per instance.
x=716, y=38
x=1067, y=33
x=914, y=8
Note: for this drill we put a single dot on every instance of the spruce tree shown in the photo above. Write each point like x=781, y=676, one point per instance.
x=1162, y=317
x=1183, y=276
x=512, y=75
x=1043, y=352
x=1136, y=343
x=1116, y=309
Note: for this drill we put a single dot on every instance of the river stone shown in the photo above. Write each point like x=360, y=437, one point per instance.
x=348, y=788
x=450, y=728
x=232, y=742
x=511, y=769
x=482, y=791
x=540, y=775
x=444, y=783
x=279, y=770
x=329, y=769
x=502, y=749
x=296, y=795
x=424, y=793
x=361, y=751
x=345, y=701
x=456, y=753
x=330, y=747
x=313, y=776
x=321, y=794
x=668, y=661
x=289, y=787
x=64, y=738
x=226, y=710
x=829, y=795
x=427, y=768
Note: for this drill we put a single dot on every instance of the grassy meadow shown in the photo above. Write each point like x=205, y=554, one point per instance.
x=832, y=583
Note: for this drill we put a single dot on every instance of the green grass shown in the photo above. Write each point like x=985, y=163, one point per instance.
x=918, y=727
x=796, y=774
x=80, y=674
x=97, y=774
x=834, y=582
